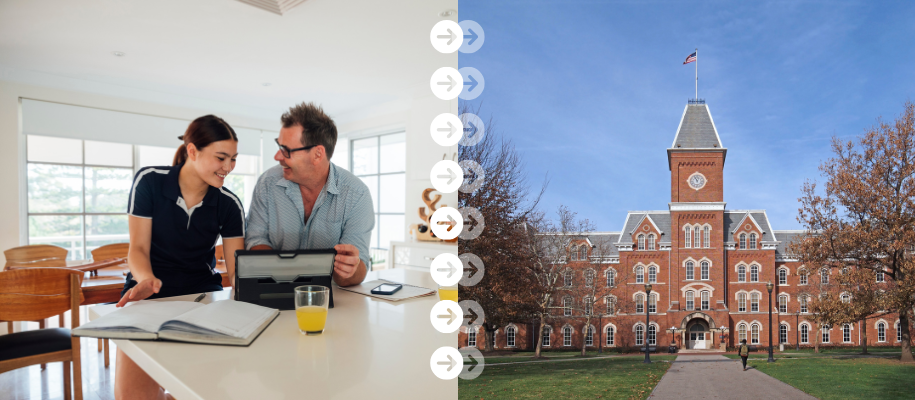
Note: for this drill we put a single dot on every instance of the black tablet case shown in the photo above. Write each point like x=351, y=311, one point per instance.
x=269, y=277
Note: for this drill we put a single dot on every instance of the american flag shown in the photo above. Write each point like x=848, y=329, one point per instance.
x=691, y=58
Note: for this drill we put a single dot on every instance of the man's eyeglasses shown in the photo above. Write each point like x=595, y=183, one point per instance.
x=287, y=152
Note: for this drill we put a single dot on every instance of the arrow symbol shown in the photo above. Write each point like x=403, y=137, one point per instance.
x=450, y=83
x=450, y=36
x=472, y=36
x=450, y=363
x=450, y=316
x=450, y=129
x=472, y=129
x=472, y=361
x=473, y=83
x=471, y=268
x=451, y=269
x=473, y=316
x=450, y=222
x=450, y=176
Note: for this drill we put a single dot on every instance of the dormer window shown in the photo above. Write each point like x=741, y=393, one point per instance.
x=574, y=253
x=753, y=241
x=743, y=241
x=651, y=242
x=641, y=242
x=583, y=253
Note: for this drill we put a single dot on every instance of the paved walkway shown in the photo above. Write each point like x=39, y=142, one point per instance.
x=718, y=377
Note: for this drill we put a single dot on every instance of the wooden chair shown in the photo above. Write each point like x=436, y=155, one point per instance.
x=35, y=256
x=39, y=293
x=109, y=252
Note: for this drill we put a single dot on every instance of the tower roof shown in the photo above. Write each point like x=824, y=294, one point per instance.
x=696, y=130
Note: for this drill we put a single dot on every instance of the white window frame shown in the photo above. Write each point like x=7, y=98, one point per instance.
x=690, y=270
x=754, y=333
x=881, y=332
x=610, y=336
x=546, y=335
x=805, y=334
x=510, y=336
x=704, y=269
x=688, y=237
x=567, y=336
x=741, y=273
x=652, y=274
x=690, y=300
x=705, y=297
x=378, y=174
x=742, y=302
x=472, y=338
x=639, y=334
x=706, y=233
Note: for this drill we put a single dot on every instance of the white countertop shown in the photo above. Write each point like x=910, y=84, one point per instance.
x=371, y=349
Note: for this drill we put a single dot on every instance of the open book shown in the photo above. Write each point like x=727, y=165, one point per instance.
x=225, y=322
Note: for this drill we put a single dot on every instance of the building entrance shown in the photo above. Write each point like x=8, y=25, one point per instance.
x=699, y=335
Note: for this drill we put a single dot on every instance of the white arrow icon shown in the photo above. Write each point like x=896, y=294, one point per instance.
x=446, y=316
x=446, y=356
x=450, y=30
x=447, y=129
x=450, y=363
x=446, y=83
x=447, y=269
x=447, y=176
x=446, y=223
x=450, y=270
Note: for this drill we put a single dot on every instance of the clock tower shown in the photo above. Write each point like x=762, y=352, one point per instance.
x=696, y=158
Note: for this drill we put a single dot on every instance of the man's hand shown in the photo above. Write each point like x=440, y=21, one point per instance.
x=141, y=291
x=346, y=261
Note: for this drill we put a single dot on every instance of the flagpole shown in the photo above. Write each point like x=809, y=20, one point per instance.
x=697, y=73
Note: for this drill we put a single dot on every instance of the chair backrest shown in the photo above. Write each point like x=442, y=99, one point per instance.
x=220, y=254
x=33, y=294
x=36, y=255
x=109, y=251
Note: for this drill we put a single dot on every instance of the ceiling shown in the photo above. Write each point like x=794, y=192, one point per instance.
x=348, y=55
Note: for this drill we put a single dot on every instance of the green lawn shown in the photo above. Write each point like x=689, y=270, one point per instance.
x=609, y=378
x=842, y=377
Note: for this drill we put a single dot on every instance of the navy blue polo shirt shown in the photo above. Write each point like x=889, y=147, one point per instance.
x=182, y=252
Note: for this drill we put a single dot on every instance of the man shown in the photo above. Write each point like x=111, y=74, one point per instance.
x=307, y=202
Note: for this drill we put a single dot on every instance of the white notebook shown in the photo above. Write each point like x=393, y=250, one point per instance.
x=406, y=292
x=225, y=322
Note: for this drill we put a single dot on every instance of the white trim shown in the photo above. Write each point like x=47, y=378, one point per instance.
x=698, y=286
x=131, y=203
x=704, y=181
x=785, y=323
x=683, y=117
x=711, y=206
x=138, y=216
x=709, y=112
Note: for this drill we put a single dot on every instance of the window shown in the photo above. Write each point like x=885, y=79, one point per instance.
x=802, y=276
x=567, y=278
x=510, y=336
x=492, y=338
x=611, y=305
x=690, y=300
x=652, y=335
x=783, y=303
x=651, y=242
x=825, y=334
x=803, y=302
x=611, y=339
x=898, y=332
x=652, y=275
x=653, y=304
x=754, y=334
x=754, y=273
x=846, y=298
x=846, y=333
x=611, y=278
x=741, y=273
x=641, y=242
x=881, y=332
x=783, y=333
x=705, y=302
x=741, y=332
x=704, y=268
x=589, y=337
x=589, y=278
x=380, y=162
x=574, y=254
x=753, y=241
x=472, y=339
x=805, y=334
x=754, y=302
x=782, y=276
x=639, y=330
x=690, y=270
x=639, y=304
x=743, y=241
x=880, y=276
x=706, y=235
x=639, y=275
x=824, y=276
x=696, y=240
x=741, y=302
x=546, y=335
x=589, y=306
x=567, y=336
x=567, y=306
x=583, y=253
x=688, y=238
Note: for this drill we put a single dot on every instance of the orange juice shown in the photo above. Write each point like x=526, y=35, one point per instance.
x=311, y=318
x=448, y=293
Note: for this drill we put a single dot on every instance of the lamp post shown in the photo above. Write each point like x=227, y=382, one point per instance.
x=647, y=323
x=673, y=342
x=600, y=336
x=769, y=288
x=724, y=330
x=797, y=332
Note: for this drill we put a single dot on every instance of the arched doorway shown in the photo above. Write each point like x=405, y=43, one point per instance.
x=698, y=335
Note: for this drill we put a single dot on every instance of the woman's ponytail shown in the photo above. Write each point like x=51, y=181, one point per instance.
x=181, y=154
x=201, y=132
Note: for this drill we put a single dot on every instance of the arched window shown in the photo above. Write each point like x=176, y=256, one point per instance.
x=639, y=274
x=583, y=253
x=574, y=254
x=589, y=306
x=741, y=273
x=653, y=303
x=567, y=306
x=754, y=334
x=846, y=333
x=824, y=276
x=783, y=333
x=697, y=241
x=690, y=270
x=753, y=241
x=741, y=302
x=546, y=335
x=510, y=336
x=782, y=276
x=690, y=300
x=610, y=336
x=589, y=278
x=741, y=332
x=743, y=241
x=783, y=303
x=651, y=242
x=687, y=237
x=754, y=273
x=805, y=334
x=641, y=242
x=802, y=276
x=567, y=336
x=611, y=278
x=802, y=300
x=589, y=336
x=704, y=269
x=846, y=298
x=881, y=332
x=652, y=274
x=472, y=339
x=706, y=236
x=705, y=301
x=611, y=305
x=639, y=303
x=567, y=278
x=652, y=335
x=825, y=334
x=881, y=277
x=754, y=302
x=639, y=330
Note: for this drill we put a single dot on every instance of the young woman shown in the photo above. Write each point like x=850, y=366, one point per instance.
x=175, y=216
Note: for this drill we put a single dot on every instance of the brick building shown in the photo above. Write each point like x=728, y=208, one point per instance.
x=708, y=267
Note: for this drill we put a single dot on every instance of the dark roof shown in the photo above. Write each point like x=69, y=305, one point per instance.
x=660, y=218
x=733, y=217
x=610, y=237
x=785, y=237
x=697, y=130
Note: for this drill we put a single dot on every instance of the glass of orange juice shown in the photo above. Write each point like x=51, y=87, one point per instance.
x=311, y=303
x=448, y=293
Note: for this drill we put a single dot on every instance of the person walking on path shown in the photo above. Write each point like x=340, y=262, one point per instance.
x=744, y=353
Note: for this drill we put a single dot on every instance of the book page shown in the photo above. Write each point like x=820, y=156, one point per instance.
x=144, y=315
x=228, y=317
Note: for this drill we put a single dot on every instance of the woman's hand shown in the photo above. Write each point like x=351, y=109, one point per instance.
x=141, y=291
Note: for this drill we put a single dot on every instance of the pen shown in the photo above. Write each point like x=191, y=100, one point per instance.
x=202, y=295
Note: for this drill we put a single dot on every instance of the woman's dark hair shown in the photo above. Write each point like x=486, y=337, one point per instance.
x=201, y=132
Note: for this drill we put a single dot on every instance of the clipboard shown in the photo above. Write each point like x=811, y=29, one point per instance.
x=269, y=277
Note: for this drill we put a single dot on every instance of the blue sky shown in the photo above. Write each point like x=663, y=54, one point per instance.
x=591, y=92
